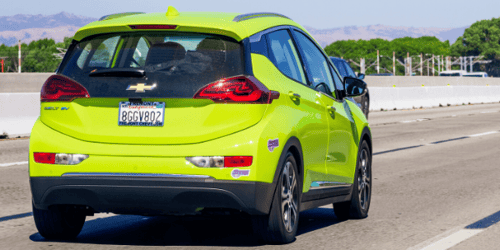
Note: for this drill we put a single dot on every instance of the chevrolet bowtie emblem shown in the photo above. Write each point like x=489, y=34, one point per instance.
x=141, y=87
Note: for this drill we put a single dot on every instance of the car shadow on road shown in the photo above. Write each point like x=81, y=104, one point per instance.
x=184, y=231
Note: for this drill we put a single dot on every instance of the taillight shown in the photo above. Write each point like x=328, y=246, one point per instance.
x=60, y=158
x=62, y=89
x=48, y=158
x=244, y=89
x=153, y=27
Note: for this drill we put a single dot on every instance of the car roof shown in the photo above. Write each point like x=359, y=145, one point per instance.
x=337, y=59
x=233, y=25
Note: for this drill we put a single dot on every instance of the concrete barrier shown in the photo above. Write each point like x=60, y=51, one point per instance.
x=18, y=113
x=388, y=98
x=22, y=83
x=428, y=81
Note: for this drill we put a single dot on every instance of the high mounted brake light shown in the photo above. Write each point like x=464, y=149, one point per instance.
x=239, y=89
x=62, y=89
x=153, y=27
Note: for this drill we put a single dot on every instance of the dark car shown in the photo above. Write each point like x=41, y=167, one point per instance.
x=346, y=70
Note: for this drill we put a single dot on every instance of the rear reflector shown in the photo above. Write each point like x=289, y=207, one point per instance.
x=48, y=158
x=220, y=161
x=153, y=27
x=237, y=161
x=60, y=88
x=239, y=89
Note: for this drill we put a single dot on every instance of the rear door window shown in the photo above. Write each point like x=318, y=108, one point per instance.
x=284, y=55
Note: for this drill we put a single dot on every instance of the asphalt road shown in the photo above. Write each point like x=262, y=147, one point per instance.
x=435, y=173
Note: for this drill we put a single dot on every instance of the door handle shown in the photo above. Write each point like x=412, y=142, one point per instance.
x=294, y=95
x=332, y=109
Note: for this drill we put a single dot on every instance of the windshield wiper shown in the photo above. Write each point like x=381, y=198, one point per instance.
x=118, y=72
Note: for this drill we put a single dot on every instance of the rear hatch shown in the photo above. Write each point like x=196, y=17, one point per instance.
x=149, y=87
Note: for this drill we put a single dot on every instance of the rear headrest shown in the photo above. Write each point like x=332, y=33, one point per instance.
x=215, y=48
x=165, y=52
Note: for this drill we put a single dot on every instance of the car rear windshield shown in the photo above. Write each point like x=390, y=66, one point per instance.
x=177, y=64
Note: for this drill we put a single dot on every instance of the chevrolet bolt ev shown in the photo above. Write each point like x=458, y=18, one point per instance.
x=193, y=113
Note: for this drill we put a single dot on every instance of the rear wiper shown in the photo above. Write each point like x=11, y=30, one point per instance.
x=118, y=72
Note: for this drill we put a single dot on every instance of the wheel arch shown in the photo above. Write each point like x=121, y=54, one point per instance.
x=366, y=135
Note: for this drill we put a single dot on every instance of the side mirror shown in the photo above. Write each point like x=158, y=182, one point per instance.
x=361, y=76
x=354, y=86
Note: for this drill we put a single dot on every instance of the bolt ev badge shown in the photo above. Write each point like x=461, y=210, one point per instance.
x=141, y=87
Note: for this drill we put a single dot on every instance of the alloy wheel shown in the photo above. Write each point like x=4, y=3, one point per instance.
x=289, y=197
x=364, y=180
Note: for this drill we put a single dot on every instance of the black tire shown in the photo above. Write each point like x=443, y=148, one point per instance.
x=366, y=106
x=281, y=227
x=59, y=222
x=358, y=206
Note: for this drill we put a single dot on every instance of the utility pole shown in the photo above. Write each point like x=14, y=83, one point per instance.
x=378, y=62
x=471, y=64
x=362, y=65
x=394, y=63
x=442, y=62
x=428, y=68
x=421, y=65
x=439, y=65
x=19, y=68
x=407, y=64
x=433, y=69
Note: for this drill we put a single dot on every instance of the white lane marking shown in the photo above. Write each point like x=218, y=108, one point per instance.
x=13, y=163
x=453, y=239
x=417, y=120
x=486, y=112
x=485, y=133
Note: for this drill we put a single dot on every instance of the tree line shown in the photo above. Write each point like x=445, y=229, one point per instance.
x=481, y=39
x=37, y=56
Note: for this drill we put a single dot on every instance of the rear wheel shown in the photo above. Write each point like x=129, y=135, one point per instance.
x=59, y=222
x=357, y=207
x=280, y=226
x=366, y=106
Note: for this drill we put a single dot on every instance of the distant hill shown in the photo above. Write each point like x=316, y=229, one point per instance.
x=57, y=26
x=34, y=27
x=327, y=36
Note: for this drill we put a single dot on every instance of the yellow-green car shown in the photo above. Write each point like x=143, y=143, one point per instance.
x=194, y=113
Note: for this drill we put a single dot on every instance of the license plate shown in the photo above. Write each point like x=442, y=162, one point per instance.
x=149, y=114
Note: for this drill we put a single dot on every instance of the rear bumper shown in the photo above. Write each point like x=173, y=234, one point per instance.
x=151, y=195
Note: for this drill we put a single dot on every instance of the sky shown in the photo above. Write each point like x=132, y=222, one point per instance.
x=313, y=13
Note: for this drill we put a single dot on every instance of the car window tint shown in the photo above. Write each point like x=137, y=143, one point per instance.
x=316, y=62
x=284, y=55
x=104, y=53
x=350, y=72
x=340, y=66
x=140, y=53
x=337, y=80
x=179, y=63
